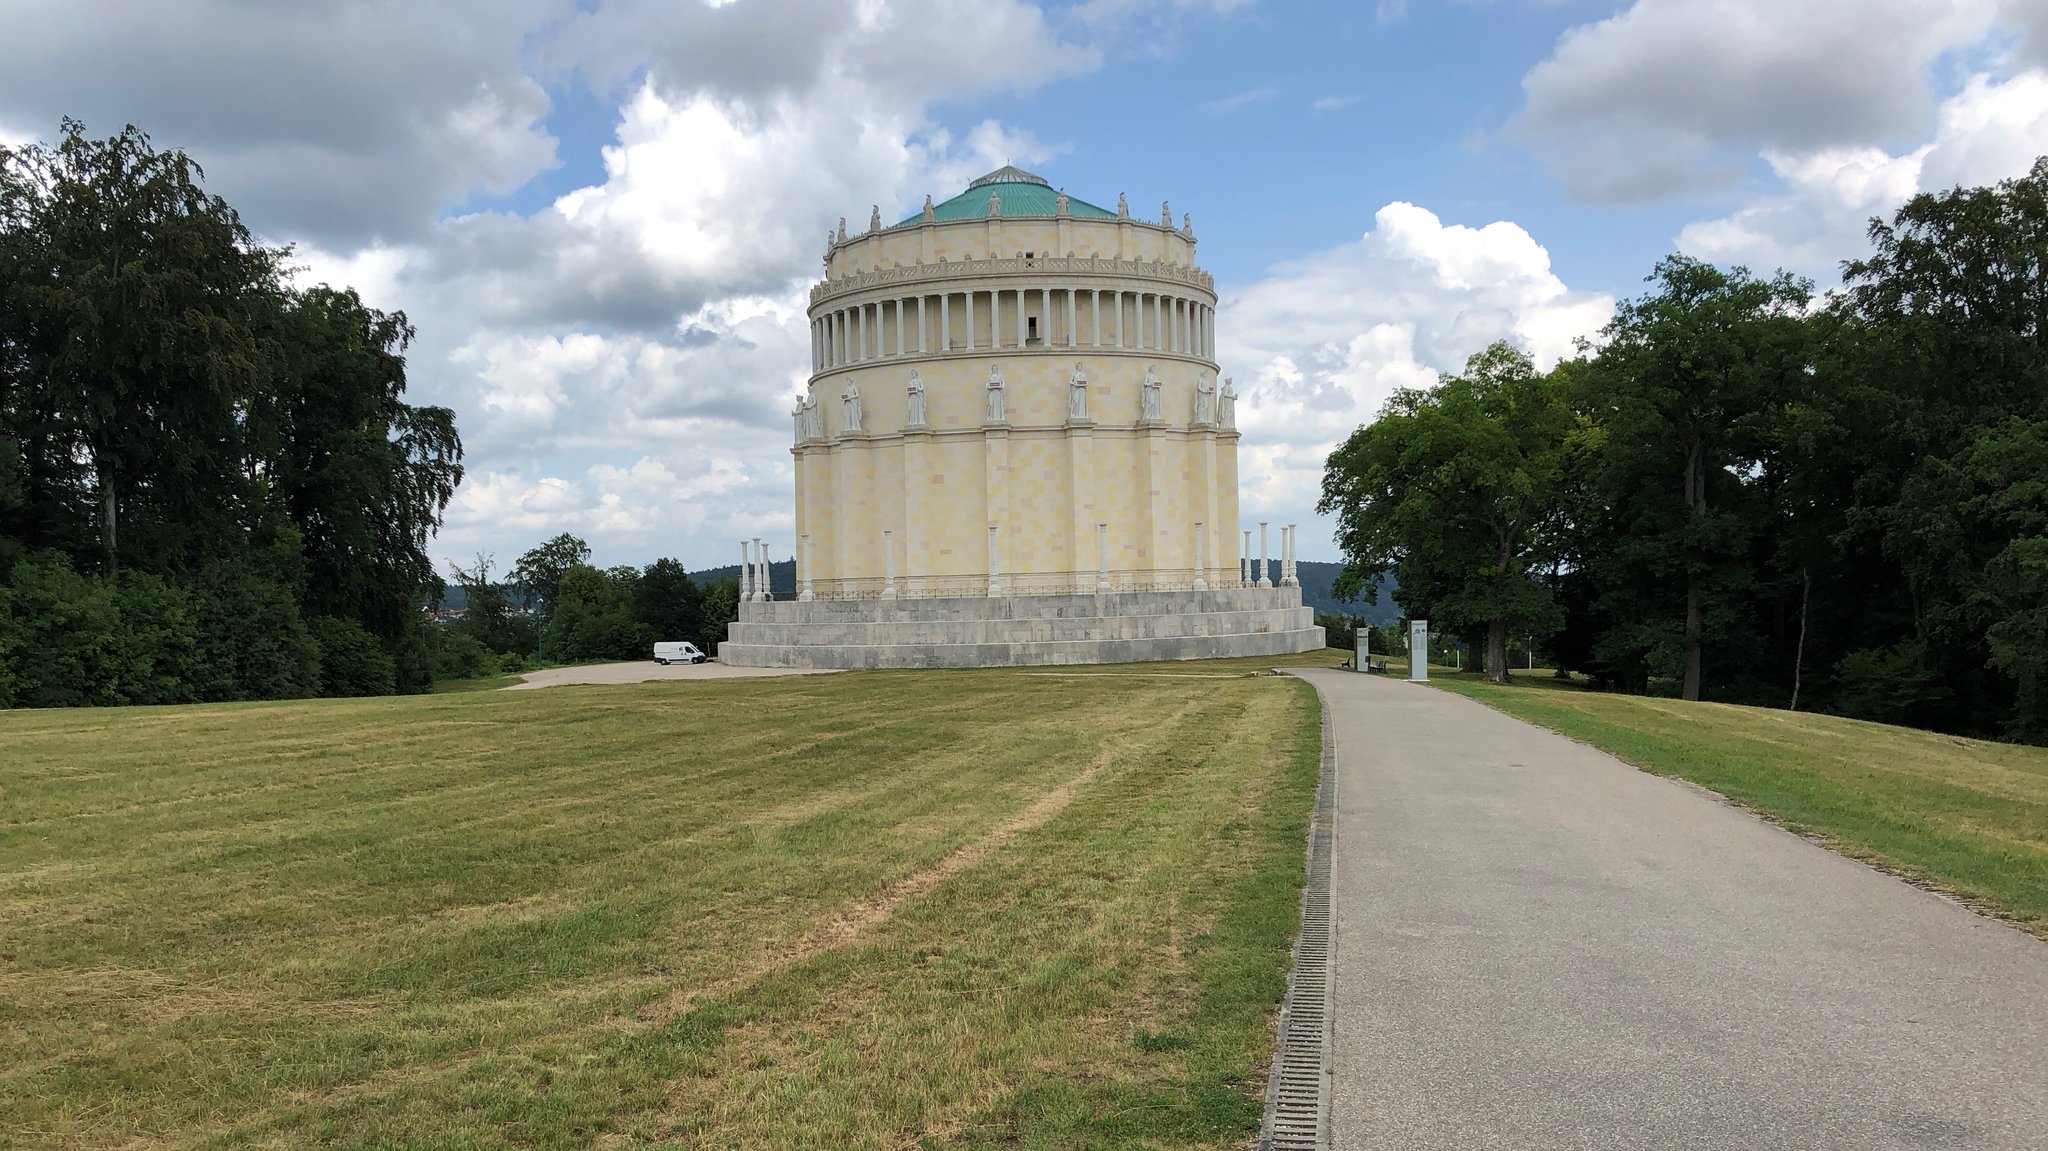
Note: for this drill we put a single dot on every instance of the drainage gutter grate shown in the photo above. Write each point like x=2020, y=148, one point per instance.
x=1298, y=1090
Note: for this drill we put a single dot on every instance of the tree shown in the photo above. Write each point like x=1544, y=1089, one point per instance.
x=132, y=296
x=593, y=617
x=667, y=603
x=1687, y=375
x=1447, y=489
x=538, y=574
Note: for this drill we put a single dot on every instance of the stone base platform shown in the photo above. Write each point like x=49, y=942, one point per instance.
x=1022, y=630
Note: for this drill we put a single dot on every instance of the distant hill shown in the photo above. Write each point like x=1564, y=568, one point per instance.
x=1316, y=581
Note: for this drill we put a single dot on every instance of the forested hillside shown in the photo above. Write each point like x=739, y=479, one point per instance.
x=1747, y=492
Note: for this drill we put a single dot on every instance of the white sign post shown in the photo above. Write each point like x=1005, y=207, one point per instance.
x=1418, y=650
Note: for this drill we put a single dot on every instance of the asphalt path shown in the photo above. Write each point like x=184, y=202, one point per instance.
x=1541, y=947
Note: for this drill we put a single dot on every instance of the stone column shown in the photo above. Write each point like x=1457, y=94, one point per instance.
x=1159, y=320
x=970, y=320
x=1071, y=310
x=1095, y=329
x=899, y=326
x=1102, y=557
x=921, y=348
x=1263, y=581
x=1119, y=301
x=1244, y=561
x=1044, y=314
x=888, y=564
x=1201, y=584
x=761, y=570
x=946, y=322
x=767, y=584
x=995, y=583
x=803, y=560
x=746, y=571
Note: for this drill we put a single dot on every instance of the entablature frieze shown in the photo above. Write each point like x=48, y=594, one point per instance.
x=1008, y=352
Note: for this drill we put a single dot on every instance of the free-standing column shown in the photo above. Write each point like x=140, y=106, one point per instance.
x=899, y=325
x=1159, y=320
x=1200, y=583
x=970, y=321
x=761, y=570
x=803, y=560
x=1044, y=312
x=1095, y=329
x=888, y=564
x=1071, y=341
x=1119, y=300
x=920, y=326
x=1244, y=566
x=1263, y=581
x=946, y=322
x=746, y=571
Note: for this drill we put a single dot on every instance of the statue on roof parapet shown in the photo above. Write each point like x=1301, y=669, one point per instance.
x=995, y=204
x=928, y=207
x=1123, y=207
x=1165, y=214
x=1187, y=223
x=875, y=218
x=1059, y=207
x=842, y=228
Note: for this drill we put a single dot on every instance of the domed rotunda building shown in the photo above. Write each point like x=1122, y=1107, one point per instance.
x=1015, y=449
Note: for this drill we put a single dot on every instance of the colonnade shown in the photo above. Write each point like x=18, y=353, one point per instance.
x=923, y=325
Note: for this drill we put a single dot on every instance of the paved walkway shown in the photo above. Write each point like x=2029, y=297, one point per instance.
x=1540, y=947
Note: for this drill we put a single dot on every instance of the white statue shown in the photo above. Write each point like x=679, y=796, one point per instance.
x=1226, y=405
x=875, y=218
x=1187, y=223
x=802, y=424
x=1123, y=207
x=1205, y=392
x=995, y=204
x=995, y=395
x=850, y=411
x=928, y=207
x=1059, y=206
x=1148, y=396
x=842, y=228
x=1165, y=214
x=915, y=400
x=1077, y=394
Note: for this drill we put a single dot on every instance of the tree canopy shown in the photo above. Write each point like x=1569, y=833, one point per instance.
x=1740, y=492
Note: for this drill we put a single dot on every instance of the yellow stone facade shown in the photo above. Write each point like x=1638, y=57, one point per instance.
x=1076, y=486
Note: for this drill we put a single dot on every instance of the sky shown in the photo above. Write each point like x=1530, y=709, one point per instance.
x=603, y=216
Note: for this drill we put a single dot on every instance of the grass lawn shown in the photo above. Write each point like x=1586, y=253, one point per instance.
x=888, y=909
x=1960, y=815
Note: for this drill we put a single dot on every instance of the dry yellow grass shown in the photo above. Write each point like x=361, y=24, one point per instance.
x=850, y=911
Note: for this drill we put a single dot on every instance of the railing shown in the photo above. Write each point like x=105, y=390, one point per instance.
x=1022, y=583
x=1016, y=266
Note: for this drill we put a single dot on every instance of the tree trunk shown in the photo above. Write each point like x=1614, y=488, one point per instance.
x=1696, y=504
x=108, y=541
x=1799, y=654
x=1497, y=651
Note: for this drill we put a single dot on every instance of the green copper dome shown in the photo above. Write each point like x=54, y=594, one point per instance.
x=1020, y=193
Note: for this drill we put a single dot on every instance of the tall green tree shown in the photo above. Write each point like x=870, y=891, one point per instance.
x=1448, y=489
x=1688, y=376
x=539, y=571
x=667, y=602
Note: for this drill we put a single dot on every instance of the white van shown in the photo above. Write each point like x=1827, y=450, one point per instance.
x=677, y=651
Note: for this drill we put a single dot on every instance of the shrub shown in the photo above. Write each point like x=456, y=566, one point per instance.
x=352, y=661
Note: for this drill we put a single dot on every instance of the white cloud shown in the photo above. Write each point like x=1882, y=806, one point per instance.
x=1332, y=103
x=1668, y=95
x=1319, y=344
x=1242, y=99
x=1989, y=131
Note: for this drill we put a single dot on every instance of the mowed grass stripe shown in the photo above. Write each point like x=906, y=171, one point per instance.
x=540, y=918
x=1962, y=815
